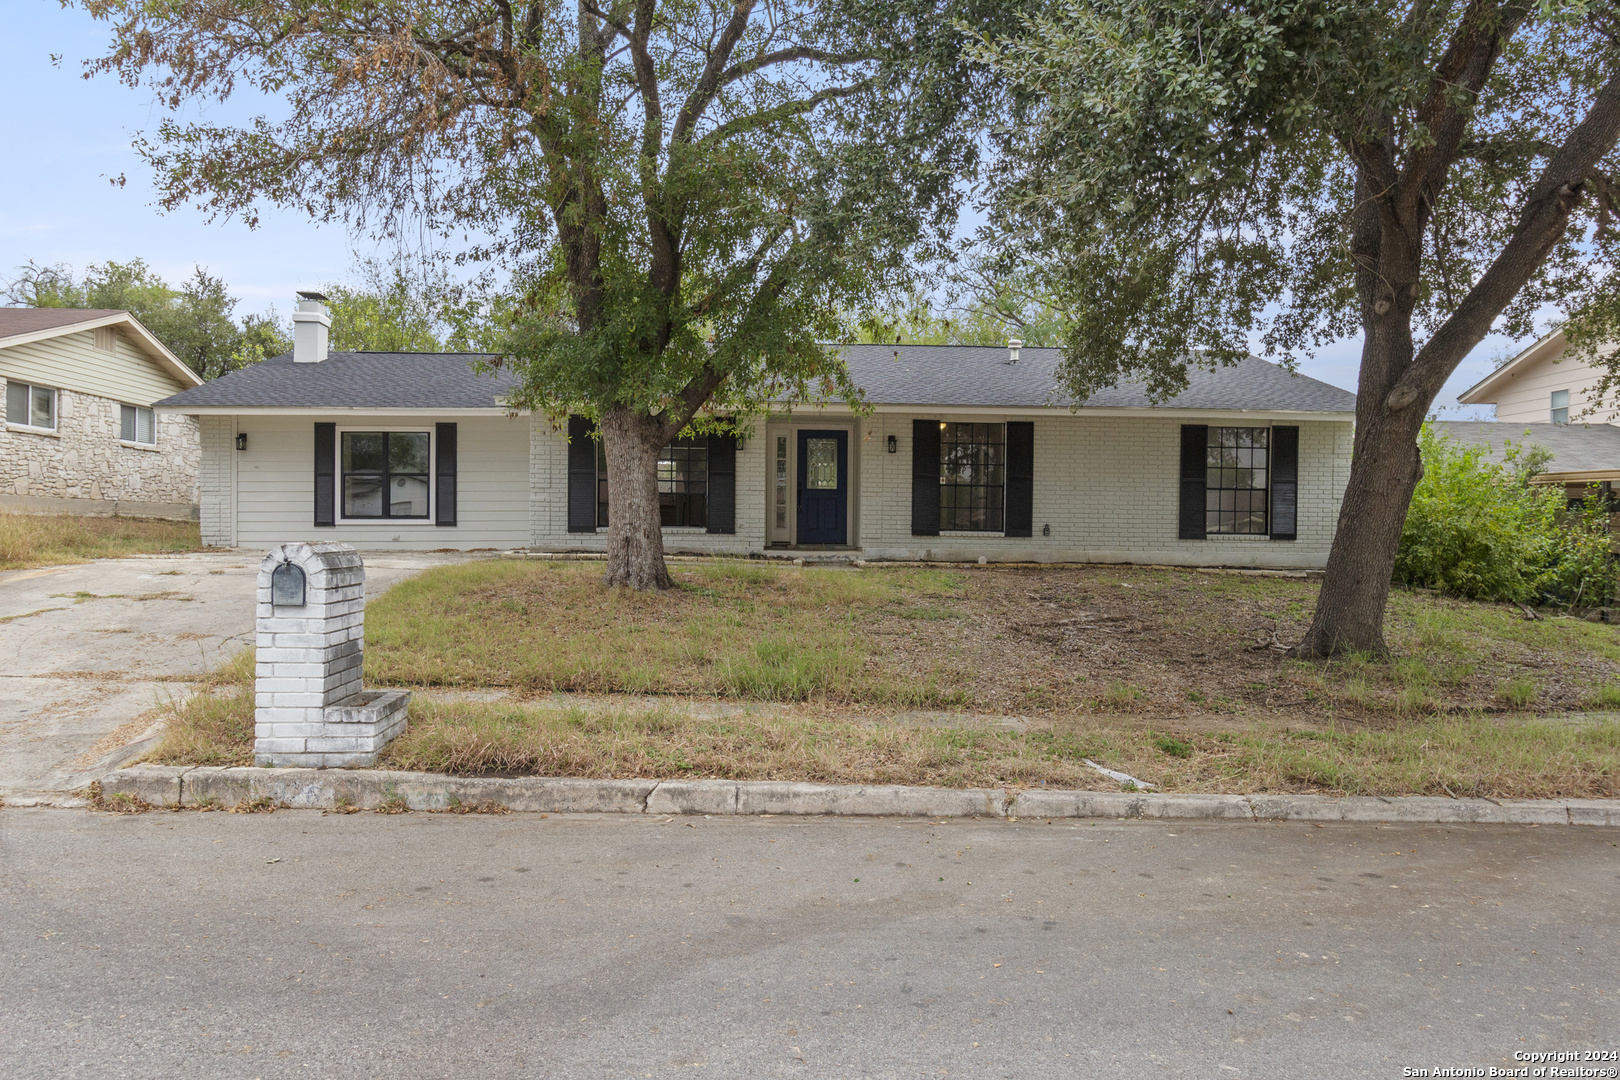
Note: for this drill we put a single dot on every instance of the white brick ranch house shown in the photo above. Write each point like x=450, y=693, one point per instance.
x=968, y=453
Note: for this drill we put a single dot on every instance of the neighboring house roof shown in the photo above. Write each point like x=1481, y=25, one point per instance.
x=892, y=375
x=19, y=326
x=1580, y=451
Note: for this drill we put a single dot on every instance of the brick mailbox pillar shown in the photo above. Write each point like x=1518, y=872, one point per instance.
x=309, y=707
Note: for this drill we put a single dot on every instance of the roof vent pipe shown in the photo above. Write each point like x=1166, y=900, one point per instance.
x=312, y=325
x=1013, y=345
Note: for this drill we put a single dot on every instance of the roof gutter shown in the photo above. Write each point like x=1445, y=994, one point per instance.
x=836, y=410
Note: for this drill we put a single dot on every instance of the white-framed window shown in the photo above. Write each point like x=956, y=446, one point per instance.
x=1560, y=406
x=30, y=406
x=385, y=475
x=136, y=424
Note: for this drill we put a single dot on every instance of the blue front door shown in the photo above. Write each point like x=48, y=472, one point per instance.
x=823, y=478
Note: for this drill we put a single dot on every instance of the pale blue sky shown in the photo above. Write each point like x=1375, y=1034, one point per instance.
x=69, y=135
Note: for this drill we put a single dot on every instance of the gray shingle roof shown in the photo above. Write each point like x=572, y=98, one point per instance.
x=975, y=375
x=15, y=321
x=354, y=380
x=894, y=375
x=1575, y=447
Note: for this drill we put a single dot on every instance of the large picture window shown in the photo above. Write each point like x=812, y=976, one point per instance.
x=1235, y=486
x=385, y=474
x=972, y=477
x=683, y=484
x=31, y=406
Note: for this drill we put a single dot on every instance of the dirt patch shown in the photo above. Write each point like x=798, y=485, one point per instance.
x=1179, y=646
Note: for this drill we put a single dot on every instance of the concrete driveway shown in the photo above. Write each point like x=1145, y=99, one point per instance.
x=93, y=650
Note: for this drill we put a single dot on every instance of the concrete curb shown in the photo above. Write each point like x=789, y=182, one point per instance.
x=370, y=789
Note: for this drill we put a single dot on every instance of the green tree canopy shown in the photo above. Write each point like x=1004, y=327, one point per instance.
x=192, y=320
x=687, y=193
x=1194, y=176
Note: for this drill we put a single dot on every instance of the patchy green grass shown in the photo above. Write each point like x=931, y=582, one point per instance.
x=1180, y=644
x=1450, y=755
x=730, y=628
x=1499, y=757
x=214, y=726
x=54, y=539
x=817, y=674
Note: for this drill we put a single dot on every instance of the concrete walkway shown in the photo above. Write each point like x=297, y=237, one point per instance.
x=93, y=650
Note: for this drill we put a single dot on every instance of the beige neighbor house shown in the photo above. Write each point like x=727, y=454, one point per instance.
x=967, y=453
x=81, y=435
x=1548, y=397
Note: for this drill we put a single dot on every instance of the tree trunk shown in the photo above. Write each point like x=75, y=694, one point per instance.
x=1384, y=471
x=632, y=442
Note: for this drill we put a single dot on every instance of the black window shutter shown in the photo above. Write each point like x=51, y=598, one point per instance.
x=581, y=475
x=1020, y=505
x=325, y=474
x=925, y=478
x=723, y=483
x=1284, y=482
x=444, y=492
x=1194, y=460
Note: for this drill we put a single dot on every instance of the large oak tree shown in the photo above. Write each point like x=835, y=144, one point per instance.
x=1194, y=174
x=690, y=195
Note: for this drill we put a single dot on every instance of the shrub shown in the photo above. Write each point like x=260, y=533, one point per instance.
x=1480, y=529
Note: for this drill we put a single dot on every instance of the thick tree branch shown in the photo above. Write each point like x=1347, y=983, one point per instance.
x=1541, y=225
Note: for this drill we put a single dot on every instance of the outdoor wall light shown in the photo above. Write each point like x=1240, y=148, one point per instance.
x=241, y=440
x=894, y=445
x=1046, y=530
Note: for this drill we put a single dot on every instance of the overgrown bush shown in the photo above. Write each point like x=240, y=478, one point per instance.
x=1481, y=529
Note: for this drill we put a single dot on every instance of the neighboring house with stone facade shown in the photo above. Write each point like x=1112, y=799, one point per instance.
x=967, y=453
x=81, y=435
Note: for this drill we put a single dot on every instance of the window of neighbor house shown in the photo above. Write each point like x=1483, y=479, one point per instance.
x=31, y=406
x=385, y=474
x=135, y=424
x=1236, y=464
x=1560, y=406
x=972, y=477
x=683, y=484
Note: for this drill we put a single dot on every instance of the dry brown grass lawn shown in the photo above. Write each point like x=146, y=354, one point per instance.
x=1175, y=646
x=821, y=673
x=53, y=539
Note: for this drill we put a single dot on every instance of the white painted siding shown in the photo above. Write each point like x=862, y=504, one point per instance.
x=72, y=362
x=216, y=481
x=1109, y=489
x=1526, y=396
x=274, y=502
x=1107, y=486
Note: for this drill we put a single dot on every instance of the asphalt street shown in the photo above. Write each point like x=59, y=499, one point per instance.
x=309, y=945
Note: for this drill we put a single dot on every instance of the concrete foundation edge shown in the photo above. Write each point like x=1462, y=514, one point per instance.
x=371, y=789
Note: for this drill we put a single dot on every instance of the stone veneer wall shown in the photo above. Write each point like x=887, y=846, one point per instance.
x=85, y=460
